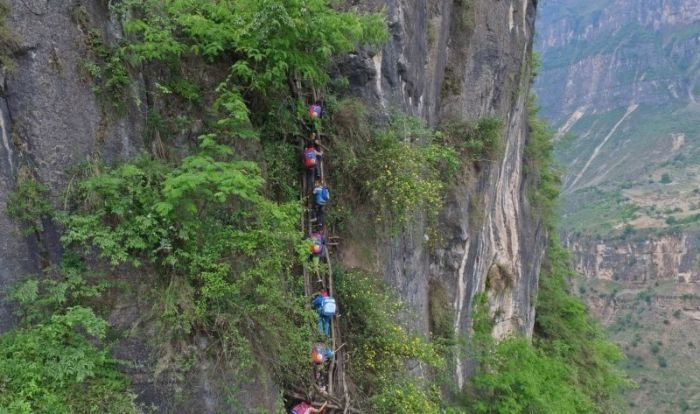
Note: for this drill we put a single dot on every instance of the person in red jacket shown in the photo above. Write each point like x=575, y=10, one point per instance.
x=312, y=160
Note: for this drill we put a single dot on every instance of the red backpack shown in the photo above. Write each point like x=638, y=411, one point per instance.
x=301, y=408
x=309, y=157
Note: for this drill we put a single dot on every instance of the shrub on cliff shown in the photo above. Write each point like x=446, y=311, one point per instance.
x=379, y=348
x=407, y=171
x=222, y=254
x=568, y=367
x=55, y=367
x=478, y=140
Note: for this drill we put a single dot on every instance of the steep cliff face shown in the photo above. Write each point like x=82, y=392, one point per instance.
x=657, y=258
x=645, y=291
x=466, y=60
x=450, y=60
x=51, y=119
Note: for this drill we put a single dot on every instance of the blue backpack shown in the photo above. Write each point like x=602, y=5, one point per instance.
x=328, y=307
x=322, y=197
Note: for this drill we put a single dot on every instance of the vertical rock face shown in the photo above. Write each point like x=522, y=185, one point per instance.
x=457, y=60
x=446, y=60
x=51, y=119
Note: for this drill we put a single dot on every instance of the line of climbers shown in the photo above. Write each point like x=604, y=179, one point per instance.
x=317, y=195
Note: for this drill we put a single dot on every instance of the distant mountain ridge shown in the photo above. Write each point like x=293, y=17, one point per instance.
x=622, y=79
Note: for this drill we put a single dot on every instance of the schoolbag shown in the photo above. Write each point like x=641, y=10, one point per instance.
x=300, y=408
x=322, y=197
x=314, y=111
x=317, y=240
x=328, y=307
x=316, y=248
x=309, y=157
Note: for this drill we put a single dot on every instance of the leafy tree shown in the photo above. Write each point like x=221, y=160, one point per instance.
x=268, y=46
x=564, y=330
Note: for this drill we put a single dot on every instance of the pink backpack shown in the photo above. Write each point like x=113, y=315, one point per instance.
x=301, y=408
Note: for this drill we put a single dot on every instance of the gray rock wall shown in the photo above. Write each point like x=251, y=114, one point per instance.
x=51, y=119
x=465, y=60
x=640, y=260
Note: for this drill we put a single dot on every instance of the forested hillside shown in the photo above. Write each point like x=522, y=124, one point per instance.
x=159, y=239
x=619, y=80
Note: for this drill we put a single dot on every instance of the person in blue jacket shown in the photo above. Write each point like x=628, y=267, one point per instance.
x=325, y=307
x=320, y=194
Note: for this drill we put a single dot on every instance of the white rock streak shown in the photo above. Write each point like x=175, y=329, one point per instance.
x=459, y=304
x=6, y=141
x=569, y=123
x=629, y=111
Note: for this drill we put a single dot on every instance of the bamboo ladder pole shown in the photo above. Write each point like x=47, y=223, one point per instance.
x=337, y=362
x=307, y=225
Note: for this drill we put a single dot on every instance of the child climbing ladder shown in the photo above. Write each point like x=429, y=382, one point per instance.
x=315, y=196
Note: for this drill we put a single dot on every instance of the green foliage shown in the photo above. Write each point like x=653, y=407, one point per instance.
x=661, y=361
x=29, y=203
x=271, y=39
x=535, y=62
x=70, y=285
x=54, y=367
x=188, y=90
x=406, y=172
x=564, y=330
x=673, y=221
x=273, y=44
x=405, y=397
x=479, y=140
x=379, y=348
x=104, y=64
x=542, y=174
x=224, y=252
x=665, y=178
x=519, y=378
x=281, y=162
x=567, y=368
